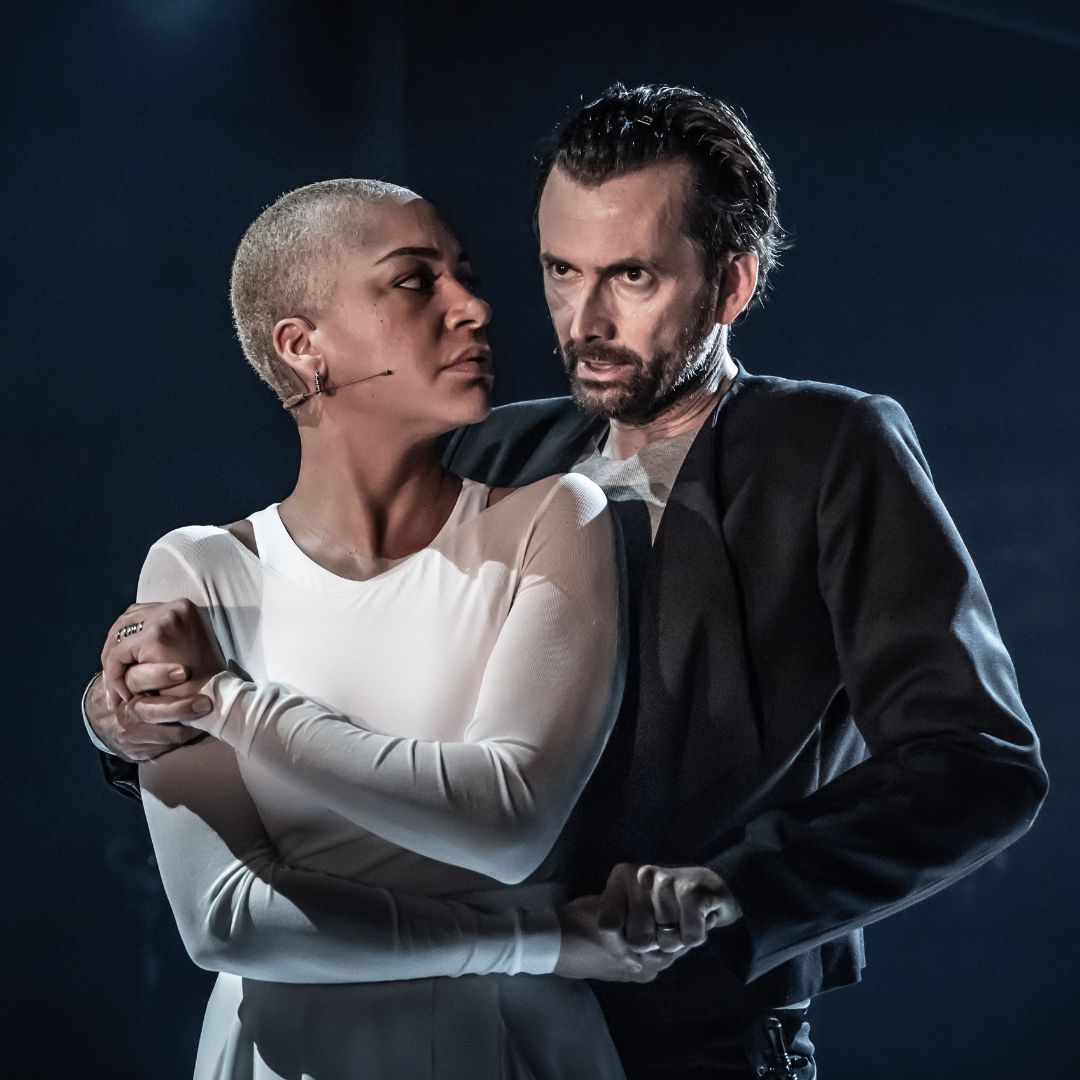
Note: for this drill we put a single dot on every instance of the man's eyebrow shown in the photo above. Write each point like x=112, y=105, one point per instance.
x=420, y=252
x=628, y=263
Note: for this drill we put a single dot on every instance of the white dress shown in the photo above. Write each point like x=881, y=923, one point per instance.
x=373, y=866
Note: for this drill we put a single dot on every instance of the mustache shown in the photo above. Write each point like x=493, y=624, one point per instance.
x=598, y=353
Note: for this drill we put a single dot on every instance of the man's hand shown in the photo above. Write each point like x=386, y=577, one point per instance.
x=173, y=634
x=147, y=725
x=665, y=909
x=590, y=952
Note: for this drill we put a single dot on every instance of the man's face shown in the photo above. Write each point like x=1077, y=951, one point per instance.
x=634, y=315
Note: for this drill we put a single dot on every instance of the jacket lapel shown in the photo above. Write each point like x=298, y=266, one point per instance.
x=697, y=710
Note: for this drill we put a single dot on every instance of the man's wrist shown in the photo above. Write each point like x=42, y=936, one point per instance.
x=730, y=909
x=95, y=689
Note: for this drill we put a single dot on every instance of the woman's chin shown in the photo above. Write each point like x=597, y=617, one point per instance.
x=461, y=414
x=475, y=406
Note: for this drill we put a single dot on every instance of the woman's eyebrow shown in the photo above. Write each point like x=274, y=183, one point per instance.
x=420, y=252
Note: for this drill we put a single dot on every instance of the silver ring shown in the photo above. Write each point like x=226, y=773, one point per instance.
x=127, y=631
x=667, y=928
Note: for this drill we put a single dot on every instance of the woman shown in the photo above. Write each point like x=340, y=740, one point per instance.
x=336, y=856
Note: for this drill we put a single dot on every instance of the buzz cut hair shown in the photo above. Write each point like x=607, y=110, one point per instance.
x=285, y=262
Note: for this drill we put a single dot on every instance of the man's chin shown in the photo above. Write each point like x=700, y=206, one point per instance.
x=604, y=399
x=597, y=398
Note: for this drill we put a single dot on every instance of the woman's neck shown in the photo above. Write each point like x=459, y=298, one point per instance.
x=366, y=497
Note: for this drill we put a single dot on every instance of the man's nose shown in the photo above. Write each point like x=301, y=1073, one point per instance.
x=591, y=320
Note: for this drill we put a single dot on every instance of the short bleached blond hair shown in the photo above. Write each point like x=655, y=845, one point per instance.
x=285, y=263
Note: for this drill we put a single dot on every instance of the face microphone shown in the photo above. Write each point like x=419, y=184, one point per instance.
x=321, y=388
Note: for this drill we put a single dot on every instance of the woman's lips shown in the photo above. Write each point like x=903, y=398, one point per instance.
x=476, y=366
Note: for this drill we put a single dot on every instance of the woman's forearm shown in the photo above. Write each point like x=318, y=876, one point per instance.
x=241, y=908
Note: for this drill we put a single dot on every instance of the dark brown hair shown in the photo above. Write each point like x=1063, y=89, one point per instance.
x=732, y=203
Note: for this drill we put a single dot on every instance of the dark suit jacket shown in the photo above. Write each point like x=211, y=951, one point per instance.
x=819, y=705
x=821, y=708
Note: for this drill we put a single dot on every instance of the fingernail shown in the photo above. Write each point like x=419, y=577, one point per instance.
x=178, y=674
x=202, y=706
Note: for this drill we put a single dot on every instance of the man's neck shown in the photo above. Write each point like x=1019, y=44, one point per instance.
x=685, y=415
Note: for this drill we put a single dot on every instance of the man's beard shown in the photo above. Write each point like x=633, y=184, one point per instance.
x=654, y=385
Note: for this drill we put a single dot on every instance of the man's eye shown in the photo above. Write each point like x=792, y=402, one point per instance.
x=634, y=274
x=558, y=269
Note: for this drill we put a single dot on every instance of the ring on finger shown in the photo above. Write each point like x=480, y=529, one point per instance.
x=127, y=631
x=666, y=929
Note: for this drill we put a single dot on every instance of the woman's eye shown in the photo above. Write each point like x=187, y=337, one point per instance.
x=418, y=281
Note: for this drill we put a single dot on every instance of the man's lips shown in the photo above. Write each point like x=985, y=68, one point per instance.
x=597, y=370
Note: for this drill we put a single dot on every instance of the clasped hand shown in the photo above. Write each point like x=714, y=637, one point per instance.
x=152, y=677
x=646, y=918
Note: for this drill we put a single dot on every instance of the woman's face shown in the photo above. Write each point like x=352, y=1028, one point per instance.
x=403, y=301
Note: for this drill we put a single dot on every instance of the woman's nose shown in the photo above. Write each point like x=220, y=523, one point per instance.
x=469, y=308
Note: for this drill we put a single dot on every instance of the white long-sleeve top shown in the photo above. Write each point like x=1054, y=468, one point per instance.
x=406, y=747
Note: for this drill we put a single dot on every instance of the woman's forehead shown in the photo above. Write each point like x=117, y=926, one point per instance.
x=394, y=223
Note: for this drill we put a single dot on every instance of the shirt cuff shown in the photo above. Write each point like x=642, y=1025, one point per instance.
x=222, y=689
x=86, y=721
x=541, y=941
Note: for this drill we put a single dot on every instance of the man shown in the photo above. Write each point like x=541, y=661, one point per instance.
x=821, y=724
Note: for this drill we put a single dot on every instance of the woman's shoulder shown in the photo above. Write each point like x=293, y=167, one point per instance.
x=564, y=494
x=202, y=548
x=202, y=562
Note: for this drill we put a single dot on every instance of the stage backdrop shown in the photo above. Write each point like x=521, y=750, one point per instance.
x=927, y=156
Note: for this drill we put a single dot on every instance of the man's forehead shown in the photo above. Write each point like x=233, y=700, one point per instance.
x=642, y=208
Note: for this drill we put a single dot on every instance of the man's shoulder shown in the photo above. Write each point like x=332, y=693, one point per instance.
x=805, y=429
x=809, y=405
x=522, y=417
x=521, y=442
x=536, y=411
x=774, y=391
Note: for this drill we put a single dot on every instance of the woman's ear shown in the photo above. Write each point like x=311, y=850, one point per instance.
x=294, y=343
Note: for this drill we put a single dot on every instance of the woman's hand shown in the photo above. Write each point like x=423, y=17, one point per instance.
x=172, y=633
x=590, y=951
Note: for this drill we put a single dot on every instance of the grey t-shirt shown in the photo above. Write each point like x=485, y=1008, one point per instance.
x=645, y=477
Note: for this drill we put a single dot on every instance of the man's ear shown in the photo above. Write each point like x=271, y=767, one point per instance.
x=737, y=286
x=294, y=343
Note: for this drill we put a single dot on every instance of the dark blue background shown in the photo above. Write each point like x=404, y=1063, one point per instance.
x=928, y=161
